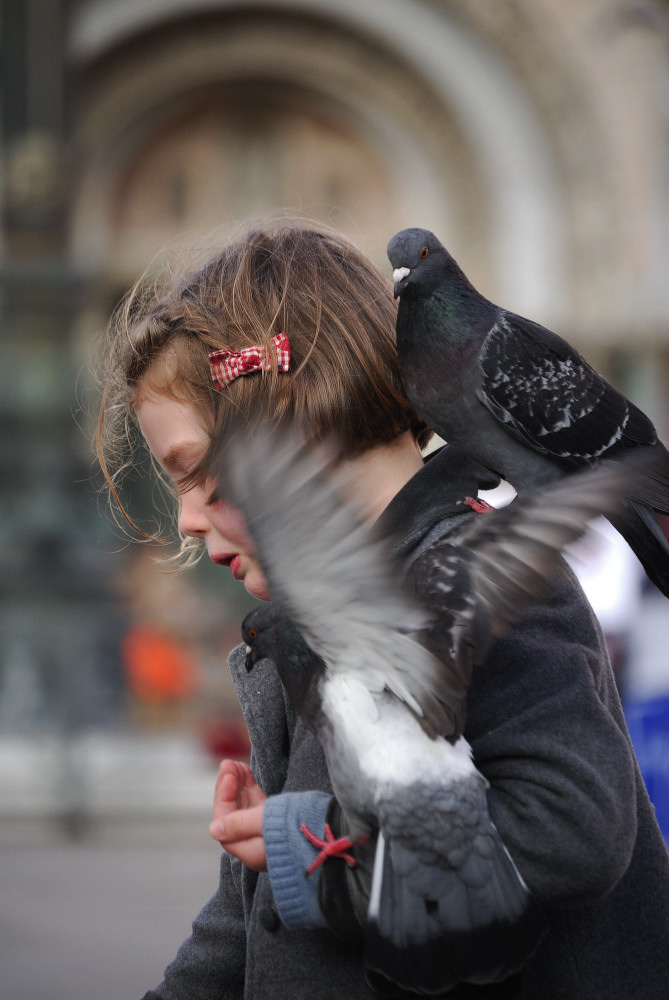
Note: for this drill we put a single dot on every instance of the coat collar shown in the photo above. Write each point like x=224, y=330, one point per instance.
x=425, y=508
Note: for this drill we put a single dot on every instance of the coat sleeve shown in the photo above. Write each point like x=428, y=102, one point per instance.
x=547, y=731
x=210, y=964
x=290, y=853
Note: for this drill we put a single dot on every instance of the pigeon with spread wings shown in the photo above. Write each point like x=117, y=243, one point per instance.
x=382, y=683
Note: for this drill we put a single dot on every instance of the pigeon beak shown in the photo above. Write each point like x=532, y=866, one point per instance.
x=399, y=274
x=251, y=659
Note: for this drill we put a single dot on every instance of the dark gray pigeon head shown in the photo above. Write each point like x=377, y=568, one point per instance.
x=263, y=630
x=416, y=255
x=270, y=634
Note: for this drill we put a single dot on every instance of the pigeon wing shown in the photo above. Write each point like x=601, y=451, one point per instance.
x=482, y=578
x=332, y=573
x=550, y=398
x=512, y=555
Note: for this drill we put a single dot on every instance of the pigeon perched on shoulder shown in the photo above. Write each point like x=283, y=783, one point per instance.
x=510, y=393
x=382, y=682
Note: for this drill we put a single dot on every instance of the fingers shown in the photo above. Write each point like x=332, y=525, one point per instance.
x=236, y=787
x=242, y=824
x=250, y=852
x=237, y=825
x=232, y=780
x=238, y=814
x=227, y=792
x=233, y=776
x=240, y=833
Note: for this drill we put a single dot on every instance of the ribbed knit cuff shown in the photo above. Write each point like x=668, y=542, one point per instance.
x=289, y=854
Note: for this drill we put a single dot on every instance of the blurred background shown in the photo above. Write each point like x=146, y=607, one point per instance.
x=532, y=136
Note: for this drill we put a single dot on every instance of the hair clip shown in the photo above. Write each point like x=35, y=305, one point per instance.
x=226, y=365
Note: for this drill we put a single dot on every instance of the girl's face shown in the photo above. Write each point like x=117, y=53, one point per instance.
x=178, y=440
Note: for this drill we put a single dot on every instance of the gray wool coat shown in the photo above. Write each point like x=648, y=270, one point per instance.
x=547, y=730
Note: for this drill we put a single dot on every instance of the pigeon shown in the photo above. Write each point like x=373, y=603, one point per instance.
x=381, y=679
x=511, y=393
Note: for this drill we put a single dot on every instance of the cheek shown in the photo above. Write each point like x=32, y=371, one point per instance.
x=229, y=522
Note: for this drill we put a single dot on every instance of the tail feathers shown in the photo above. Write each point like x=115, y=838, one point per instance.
x=430, y=928
x=647, y=490
x=648, y=481
x=640, y=529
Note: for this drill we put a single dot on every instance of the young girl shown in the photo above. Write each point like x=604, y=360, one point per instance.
x=292, y=323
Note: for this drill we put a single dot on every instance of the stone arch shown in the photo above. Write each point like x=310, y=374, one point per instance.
x=455, y=140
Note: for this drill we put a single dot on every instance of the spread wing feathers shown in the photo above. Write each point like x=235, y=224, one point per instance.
x=333, y=574
x=498, y=565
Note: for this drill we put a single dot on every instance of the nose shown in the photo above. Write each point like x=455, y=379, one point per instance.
x=193, y=520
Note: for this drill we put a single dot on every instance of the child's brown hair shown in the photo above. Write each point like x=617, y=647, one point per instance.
x=334, y=305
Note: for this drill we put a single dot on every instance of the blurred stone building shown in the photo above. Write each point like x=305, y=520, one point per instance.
x=531, y=135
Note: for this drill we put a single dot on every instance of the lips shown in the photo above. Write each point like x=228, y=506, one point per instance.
x=232, y=560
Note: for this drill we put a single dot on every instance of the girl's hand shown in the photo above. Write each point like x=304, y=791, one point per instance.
x=239, y=803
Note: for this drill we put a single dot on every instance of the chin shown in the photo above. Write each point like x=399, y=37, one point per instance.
x=257, y=588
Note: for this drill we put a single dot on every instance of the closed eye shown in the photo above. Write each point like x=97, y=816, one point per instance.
x=181, y=460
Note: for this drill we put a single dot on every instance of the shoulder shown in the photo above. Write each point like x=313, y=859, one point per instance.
x=557, y=628
x=554, y=656
x=434, y=501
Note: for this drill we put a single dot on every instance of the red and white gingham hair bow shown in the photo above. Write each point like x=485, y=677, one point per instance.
x=226, y=365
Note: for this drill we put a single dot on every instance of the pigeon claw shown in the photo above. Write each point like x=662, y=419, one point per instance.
x=331, y=846
x=480, y=506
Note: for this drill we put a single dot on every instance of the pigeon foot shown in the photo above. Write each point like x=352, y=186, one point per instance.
x=331, y=846
x=480, y=506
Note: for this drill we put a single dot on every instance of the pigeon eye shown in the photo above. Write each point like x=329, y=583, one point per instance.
x=252, y=634
x=424, y=252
